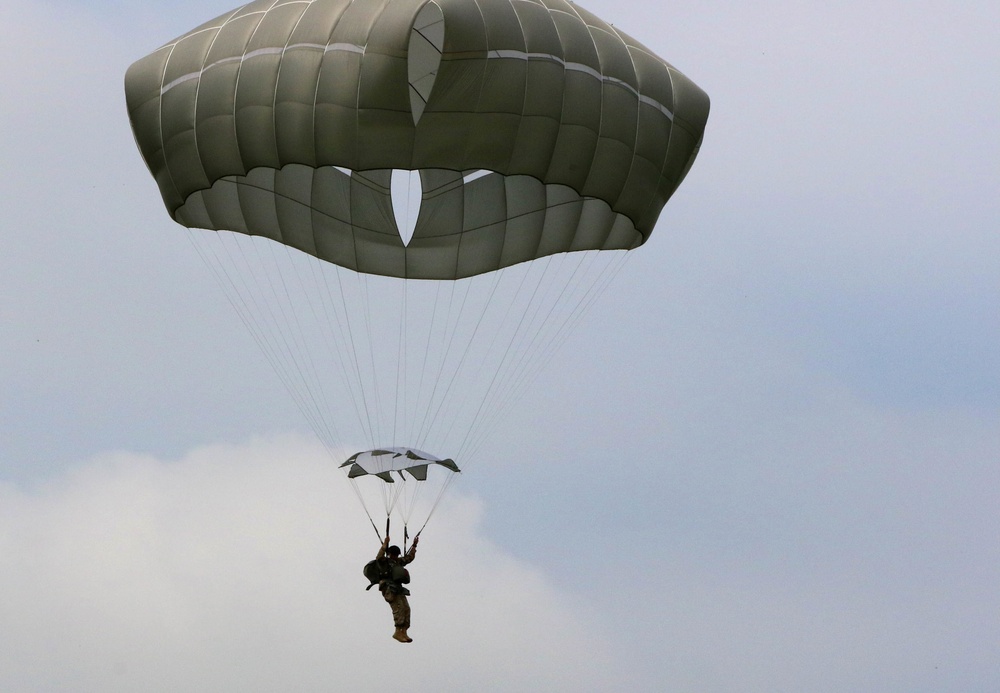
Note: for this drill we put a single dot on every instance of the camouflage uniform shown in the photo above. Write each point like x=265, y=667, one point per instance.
x=394, y=592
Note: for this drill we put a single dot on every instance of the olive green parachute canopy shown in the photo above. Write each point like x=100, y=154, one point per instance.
x=536, y=128
x=383, y=462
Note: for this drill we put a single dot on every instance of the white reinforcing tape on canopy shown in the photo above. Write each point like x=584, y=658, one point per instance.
x=585, y=69
x=280, y=50
x=495, y=55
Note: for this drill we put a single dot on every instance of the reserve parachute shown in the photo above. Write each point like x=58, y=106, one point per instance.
x=411, y=202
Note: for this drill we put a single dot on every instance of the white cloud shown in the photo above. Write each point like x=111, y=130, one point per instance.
x=238, y=568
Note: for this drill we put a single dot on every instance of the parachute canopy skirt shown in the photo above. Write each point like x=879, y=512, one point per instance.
x=536, y=128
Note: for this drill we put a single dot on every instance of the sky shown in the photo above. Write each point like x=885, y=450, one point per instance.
x=767, y=460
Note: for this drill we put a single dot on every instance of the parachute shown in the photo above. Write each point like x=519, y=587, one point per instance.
x=534, y=141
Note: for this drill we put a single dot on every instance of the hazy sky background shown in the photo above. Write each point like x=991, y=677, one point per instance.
x=768, y=461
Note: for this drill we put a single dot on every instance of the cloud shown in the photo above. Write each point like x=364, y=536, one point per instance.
x=238, y=568
x=806, y=345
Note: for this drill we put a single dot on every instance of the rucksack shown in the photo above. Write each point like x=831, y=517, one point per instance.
x=399, y=574
x=376, y=570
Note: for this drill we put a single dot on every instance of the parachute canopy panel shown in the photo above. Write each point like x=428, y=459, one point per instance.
x=383, y=462
x=286, y=120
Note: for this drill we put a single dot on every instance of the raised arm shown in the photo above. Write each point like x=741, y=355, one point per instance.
x=412, y=552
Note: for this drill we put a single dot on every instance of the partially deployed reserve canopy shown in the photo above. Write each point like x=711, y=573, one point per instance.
x=383, y=462
x=536, y=127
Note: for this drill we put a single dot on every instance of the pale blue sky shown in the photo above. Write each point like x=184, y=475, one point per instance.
x=768, y=461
